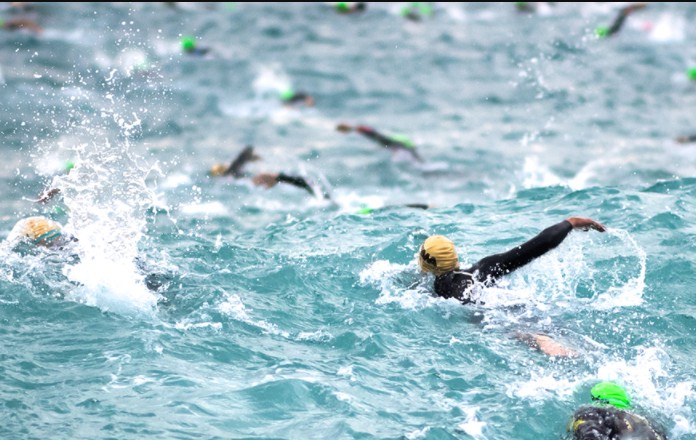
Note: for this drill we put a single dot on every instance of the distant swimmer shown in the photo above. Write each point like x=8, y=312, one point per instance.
x=393, y=143
x=367, y=210
x=291, y=97
x=603, y=31
x=190, y=47
x=267, y=180
x=13, y=24
x=39, y=231
x=438, y=256
x=49, y=193
x=350, y=7
x=609, y=419
x=686, y=139
x=236, y=167
x=415, y=11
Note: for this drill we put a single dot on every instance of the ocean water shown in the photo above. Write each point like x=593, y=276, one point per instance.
x=200, y=307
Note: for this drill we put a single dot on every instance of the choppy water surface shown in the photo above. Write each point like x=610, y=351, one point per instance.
x=199, y=307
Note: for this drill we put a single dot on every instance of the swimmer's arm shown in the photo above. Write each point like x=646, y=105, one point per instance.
x=545, y=344
x=500, y=264
x=619, y=21
x=22, y=23
x=297, y=181
x=238, y=163
x=686, y=139
x=48, y=195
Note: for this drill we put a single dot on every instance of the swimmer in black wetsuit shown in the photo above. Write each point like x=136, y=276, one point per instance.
x=189, y=46
x=686, y=139
x=609, y=419
x=393, y=143
x=603, y=31
x=291, y=97
x=350, y=7
x=267, y=180
x=438, y=256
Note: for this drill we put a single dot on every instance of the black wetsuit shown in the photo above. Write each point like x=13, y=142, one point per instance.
x=235, y=168
x=457, y=283
x=386, y=141
x=299, y=182
x=609, y=423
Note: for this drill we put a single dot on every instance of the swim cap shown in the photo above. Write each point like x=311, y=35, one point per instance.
x=601, y=31
x=69, y=165
x=218, y=169
x=287, y=94
x=39, y=230
x=611, y=393
x=342, y=6
x=365, y=211
x=691, y=73
x=437, y=255
x=188, y=44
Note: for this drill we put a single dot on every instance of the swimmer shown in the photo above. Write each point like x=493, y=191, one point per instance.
x=392, y=143
x=39, y=231
x=267, y=180
x=603, y=31
x=608, y=418
x=350, y=7
x=686, y=139
x=190, y=47
x=235, y=168
x=366, y=210
x=415, y=11
x=290, y=97
x=438, y=256
x=49, y=193
x=14, y=24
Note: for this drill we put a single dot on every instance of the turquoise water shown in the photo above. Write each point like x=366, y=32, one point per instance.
x=276, y=314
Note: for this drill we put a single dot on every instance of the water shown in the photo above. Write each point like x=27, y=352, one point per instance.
x=194, y=307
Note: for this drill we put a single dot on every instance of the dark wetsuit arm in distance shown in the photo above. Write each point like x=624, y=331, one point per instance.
x=235, y=168
x=494, y=266
x=297, y=181
x=371, y=133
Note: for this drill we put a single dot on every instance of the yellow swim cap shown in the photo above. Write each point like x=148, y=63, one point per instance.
x=39, y=230
x=437, y=255
x=218, y=169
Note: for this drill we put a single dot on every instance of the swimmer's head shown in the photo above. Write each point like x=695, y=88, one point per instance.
x=601, y=31
x=691, y=73
x=342, y=7
x=188, y=44
x=37, y=230
x=217, y=170
x=287, y=94
x=612, y=394
x=438, y=255
x=69, y=165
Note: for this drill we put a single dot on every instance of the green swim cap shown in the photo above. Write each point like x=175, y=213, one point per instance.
x=365, y=211
x=602, y=31
x=425, y=8
x=287, y=94
x=188, y=44
x=691, y=73
x=69, y=165
x=342, y=6
x=611, y=393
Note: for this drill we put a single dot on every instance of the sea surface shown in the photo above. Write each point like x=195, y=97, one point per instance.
x=199, y=307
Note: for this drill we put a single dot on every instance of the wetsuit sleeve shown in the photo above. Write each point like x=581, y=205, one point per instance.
x=618, y=23
x=494, y=266
x=370, y=133
x=297, y=181
x=235, y=168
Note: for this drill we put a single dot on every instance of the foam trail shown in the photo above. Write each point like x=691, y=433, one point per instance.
x=631, y=293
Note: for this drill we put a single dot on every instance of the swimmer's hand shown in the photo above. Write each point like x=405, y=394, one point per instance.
x=344, y=128
x=585, y=224
x=267, y=180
